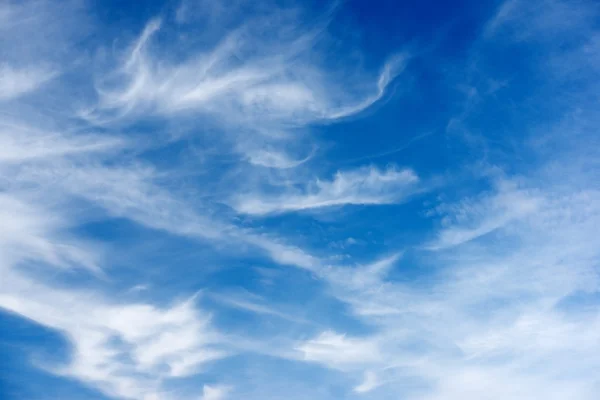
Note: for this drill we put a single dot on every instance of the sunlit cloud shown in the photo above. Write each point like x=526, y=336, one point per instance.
x=365, y=186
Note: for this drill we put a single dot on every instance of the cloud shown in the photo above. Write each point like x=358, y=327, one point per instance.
x=29, y=234
x=36, y=40
x=22, y=143
x=369, y=383
x=259, y=92
x=363, y=277
x=492, y=310
x=119, y=348
x=267, y=89
x=274, y=159
x=339, y=351
x=17, y=82
x=215, y=392
x=255, y=305
x=469, y=220
x=390, y=70
x=125, y=349
x=363, y=186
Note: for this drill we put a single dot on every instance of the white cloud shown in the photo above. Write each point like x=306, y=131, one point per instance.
x=363, y=277
x=36, y=39
x=215, y=392
x=274, y=159
x=254, y=88
x=120, y=348
x=53, y=181
x=369, y=383
x=15, y=82
x=125, y=349
x=339, y=351
x=493, y=310
x=20, y=143
x=30, y=233
x=469, y=220
x=363, y=186
x=390, y=70
x=268, y=90
x=255, y=305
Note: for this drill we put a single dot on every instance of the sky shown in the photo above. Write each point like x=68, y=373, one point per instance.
x=279, y=199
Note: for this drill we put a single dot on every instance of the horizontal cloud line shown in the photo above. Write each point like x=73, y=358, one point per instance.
x=362, y=186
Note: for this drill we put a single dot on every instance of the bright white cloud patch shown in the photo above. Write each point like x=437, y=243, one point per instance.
x=339, y=351
x=123, y=349
x=365, y=186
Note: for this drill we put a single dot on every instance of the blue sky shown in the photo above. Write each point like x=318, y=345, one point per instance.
x=218, y=200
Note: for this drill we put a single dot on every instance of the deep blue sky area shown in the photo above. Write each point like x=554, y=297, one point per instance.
x=265, y=199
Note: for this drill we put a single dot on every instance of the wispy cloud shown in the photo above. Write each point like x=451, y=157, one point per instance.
x=215, y=392
x=16, y=82
x=256, y=305
x=258, y=90
x=339, y=351
x=118, y=347
x=493, y=295
x=369, y=383
x=271, y=88
x=363, y=186
x=488, y=312
x=501, y=314
x=23, y=143
x=470, y=219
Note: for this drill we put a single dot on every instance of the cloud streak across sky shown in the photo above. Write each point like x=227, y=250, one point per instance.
x=364, y=186
x=187, y=209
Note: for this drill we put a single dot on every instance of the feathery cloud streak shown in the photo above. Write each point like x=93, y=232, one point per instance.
x=117, y=163
x=366, y=186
